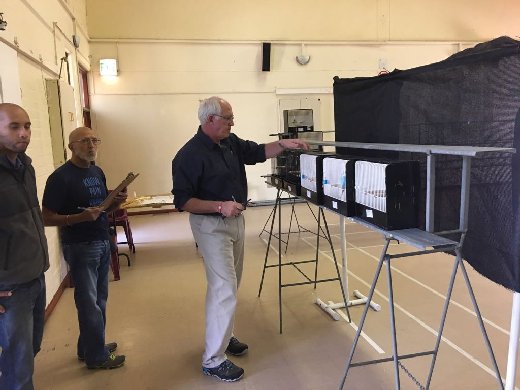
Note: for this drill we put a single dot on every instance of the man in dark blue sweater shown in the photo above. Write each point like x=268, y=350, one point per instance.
x=209, y=181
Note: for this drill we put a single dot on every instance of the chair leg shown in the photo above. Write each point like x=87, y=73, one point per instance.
x=129, y=238
x=127, y=258
x=114, y=264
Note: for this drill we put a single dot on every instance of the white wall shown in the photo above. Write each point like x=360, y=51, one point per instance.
x=150, y=110
x=307, y=20
x=172, y=53
x=9, y=75
x=175, y=53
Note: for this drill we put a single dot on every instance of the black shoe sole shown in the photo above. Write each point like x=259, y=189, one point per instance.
x=105, y=368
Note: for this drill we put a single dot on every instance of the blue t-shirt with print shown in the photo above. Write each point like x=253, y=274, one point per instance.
x=70, y=188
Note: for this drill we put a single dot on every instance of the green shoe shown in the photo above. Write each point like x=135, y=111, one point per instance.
x=113, y=361
x=110, y=346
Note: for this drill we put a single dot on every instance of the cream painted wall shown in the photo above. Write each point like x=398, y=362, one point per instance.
x=308, y=20
x=51, y=29
x=172, y=53
x=471, y=20
x=201, y=48
x=39, y=33
x=34, y=101
x=9, y=75
x=147, y=140
x=234, y=19
x=149, y=111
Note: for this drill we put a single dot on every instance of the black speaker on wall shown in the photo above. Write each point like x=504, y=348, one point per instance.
x=266, y=56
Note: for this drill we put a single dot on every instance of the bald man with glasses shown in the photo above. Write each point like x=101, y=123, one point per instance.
x=209, y=181
x=71, y=201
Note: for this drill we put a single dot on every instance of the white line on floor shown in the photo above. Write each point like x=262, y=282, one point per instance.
x=421, y=323
x=435, y=292
x=363, y=334
x=405, y=275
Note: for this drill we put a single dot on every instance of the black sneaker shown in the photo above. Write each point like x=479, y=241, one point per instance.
x=113, y=361
x=226, y=371
x=110, y=346
x=235, y=347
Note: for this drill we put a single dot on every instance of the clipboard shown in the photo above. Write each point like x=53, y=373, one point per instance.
x=110, y=198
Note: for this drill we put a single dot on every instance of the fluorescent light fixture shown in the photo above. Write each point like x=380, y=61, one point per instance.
x=108, y=67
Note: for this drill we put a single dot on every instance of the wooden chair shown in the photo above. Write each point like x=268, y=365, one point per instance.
x=120, y=218
x=114, y=254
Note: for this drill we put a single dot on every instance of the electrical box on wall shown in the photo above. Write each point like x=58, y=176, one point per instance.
x=295, y=104
x=298, y=120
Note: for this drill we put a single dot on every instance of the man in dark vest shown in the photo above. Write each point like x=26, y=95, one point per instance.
x=23, y=253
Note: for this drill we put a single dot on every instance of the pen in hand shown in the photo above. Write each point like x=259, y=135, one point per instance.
x=247, y=203
x=239, y=209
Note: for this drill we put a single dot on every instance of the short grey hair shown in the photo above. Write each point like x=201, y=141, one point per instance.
x=208, y=107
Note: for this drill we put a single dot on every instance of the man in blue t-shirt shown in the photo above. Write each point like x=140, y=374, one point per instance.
x=71, y=198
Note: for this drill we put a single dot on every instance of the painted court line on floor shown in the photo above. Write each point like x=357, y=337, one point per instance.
x=363, y=334
x=435, y=292
x=420, y=322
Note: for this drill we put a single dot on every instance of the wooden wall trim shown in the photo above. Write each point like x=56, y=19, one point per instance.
x=65, y=283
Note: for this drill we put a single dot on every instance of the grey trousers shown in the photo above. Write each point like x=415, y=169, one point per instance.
x=221, y=242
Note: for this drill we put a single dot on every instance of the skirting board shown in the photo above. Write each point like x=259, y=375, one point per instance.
x=65, y=283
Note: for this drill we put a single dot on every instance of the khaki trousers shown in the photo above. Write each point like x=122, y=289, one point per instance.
x=221, y=243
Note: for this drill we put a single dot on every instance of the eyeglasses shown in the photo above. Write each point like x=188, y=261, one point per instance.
x=230, y=118
x=86, y=140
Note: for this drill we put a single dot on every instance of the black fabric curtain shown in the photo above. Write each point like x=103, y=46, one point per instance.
x=471, y=98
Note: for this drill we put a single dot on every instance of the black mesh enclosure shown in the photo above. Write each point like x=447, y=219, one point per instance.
x=471, y=98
